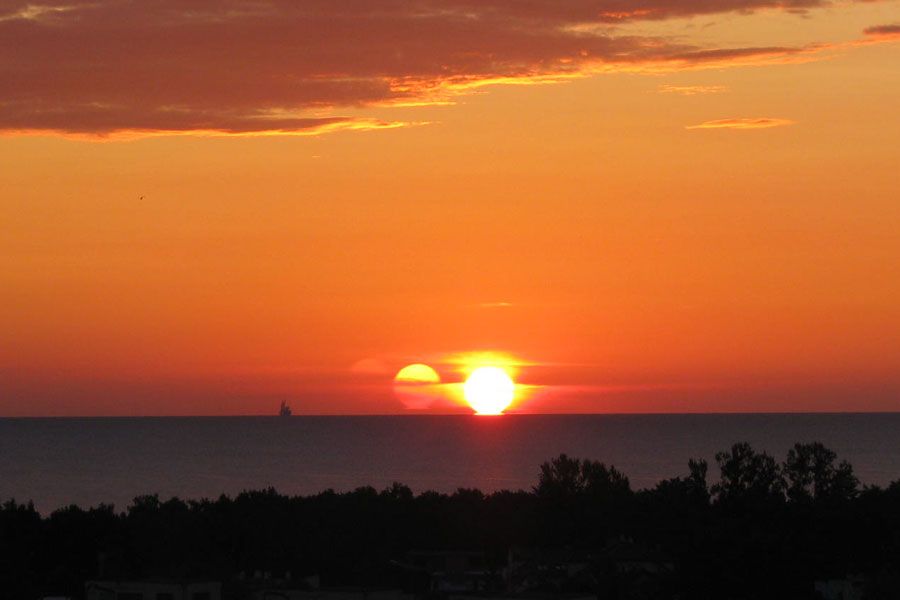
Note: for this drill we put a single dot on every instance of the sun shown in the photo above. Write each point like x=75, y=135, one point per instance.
x=489, y=390
x=417, y=386
x=417, y=373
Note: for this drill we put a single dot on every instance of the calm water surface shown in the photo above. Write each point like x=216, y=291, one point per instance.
x=56, y=462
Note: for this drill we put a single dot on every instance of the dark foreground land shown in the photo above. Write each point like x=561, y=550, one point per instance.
x=803, y=528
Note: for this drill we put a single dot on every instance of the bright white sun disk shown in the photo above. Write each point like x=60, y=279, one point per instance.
x=489, y=390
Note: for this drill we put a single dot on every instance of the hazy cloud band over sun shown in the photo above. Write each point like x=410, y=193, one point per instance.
x=101, y=67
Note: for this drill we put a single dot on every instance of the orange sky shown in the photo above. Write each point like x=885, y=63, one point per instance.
x=691, y=206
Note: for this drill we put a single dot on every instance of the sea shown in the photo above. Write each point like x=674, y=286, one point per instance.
x=55, y=462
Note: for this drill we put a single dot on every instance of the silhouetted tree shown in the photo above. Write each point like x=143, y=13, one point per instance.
x=560, y=478
x=747, y=476
x=20, y=543
x=568, y=477
x=811, y=474
x=577, y=500
x=698, y=469
x=749, y=543
x=686, y=491
x=600, y=481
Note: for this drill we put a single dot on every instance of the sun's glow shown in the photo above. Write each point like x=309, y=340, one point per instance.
x=489, y=390
x=466, y=362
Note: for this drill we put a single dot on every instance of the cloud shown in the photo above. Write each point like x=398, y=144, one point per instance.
x=743, y=123
x=691, y=90
x=31, y=12
x=122, y=125
x=890, y=31
x=111, y=67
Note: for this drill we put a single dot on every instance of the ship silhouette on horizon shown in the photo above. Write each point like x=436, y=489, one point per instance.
x=285, y=410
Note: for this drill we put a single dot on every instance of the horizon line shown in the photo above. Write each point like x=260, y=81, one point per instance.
x=512, y=414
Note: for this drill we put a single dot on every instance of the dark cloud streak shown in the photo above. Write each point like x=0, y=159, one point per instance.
x=883, y=30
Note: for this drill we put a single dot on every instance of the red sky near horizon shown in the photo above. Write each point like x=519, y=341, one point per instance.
x=643, y=205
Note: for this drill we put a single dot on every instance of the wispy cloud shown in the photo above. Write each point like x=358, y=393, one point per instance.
x=86, y=129
x=743, y=123
x=33, y=12
x=495, y=305
x=691, y=90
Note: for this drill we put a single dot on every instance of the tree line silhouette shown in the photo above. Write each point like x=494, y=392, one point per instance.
x=764, y=529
